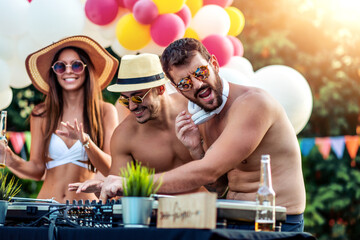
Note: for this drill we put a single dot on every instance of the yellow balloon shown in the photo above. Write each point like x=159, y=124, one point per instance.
x=237, y=21
x=194, y=6
x=190, y=33
x=131, y=34
x=169, y=6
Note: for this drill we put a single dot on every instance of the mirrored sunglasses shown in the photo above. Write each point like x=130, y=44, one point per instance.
x=135, y=99
x=77, y=67
x=201, y=74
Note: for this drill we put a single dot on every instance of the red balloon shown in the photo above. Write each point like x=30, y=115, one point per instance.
x=238, y=46
x=129, y=4
x=121, y=3
x=145, y=11
x=220, y=46
x=185, y=15
x=166, y=28
x=221, y=3
x=101, y=12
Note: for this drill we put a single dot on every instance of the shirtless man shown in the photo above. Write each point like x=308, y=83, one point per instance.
x=147, y=134
x=246, y=123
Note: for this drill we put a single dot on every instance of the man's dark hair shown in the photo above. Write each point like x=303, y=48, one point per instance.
x=180, y=52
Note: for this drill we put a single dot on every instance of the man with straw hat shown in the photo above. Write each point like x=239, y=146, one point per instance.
x=148, y=133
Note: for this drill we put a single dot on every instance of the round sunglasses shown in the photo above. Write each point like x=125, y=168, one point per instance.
x=201, y=74
x=135, y=99
x=77, y=67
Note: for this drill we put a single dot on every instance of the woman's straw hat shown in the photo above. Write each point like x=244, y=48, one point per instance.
x=139, y=72
x=38, y=64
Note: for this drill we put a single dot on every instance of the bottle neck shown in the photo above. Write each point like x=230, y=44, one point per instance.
x=265, y=178
x=3, y=118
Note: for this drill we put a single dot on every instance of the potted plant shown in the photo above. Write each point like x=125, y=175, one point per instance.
x=7, y=192
x=138, y=185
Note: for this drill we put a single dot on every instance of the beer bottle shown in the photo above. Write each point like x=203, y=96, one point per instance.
x=265, y=199
x=3, y=140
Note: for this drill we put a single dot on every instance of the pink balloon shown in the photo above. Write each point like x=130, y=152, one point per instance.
x=220, y=46
x=166, y=28
x=238, y=46
x=101, y=12
x=121, y=3
x=145, y=11
x=129, y=4
x=221, y=3
x=185, y=15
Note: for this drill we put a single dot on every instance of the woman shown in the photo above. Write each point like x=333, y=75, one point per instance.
x=71, y=129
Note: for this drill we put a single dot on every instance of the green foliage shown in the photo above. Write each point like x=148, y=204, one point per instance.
x=138, y=181
x=8, y=189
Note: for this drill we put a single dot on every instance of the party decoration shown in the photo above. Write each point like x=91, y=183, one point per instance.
x=166, y=6
x=190, y=33
x=237, y=21
x=19, y=77
x=6, y=96
x=221, y=3
x=291, y=89
x=211, y=19
x=121, y=3
x=131, y=34
x=5, y=74
x=234, y=76
x=152, y=47
x=129, y=4
x=145, y=11
x=194, y=6
x=120, y=50
x=238, y=47
x=166, y=28
x=220, y=46
x=242, y=65
x=185, y=15
x=7, y=47
x=92, y=30
x=101, y=12
x=13, y=17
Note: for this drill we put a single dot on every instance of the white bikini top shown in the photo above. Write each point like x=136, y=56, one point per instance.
x=61, y=154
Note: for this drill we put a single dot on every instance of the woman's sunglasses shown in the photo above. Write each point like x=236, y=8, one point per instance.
x=77, y=67
x=201, y=74
x=135, y=99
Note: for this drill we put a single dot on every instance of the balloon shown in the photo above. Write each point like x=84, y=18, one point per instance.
x=19, y=77
x=5, y=74
x=7, y=47
x=152, y=47
x=220, y=46
x=120, y=50
x=101, y=12
x=145, y=11
x=92, y=30
x=25, y=46
x=185, y=15
x=51, y=21
x=242, y=65
x=129, y=4
x=291, y=89
x=121, y=3
x=131, y=34
x=13, y=17
x=221, y=3
x=167, y=6
x=194, y=6
x=237, y=21
x=190, y=33
x=234, y=76
x=238, y=47
x=6, y=96
x=166, y=28
x=211, y=19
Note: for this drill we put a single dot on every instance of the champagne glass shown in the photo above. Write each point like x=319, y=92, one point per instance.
x=3, y=140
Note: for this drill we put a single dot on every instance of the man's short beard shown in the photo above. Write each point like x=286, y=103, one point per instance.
x=217, y=91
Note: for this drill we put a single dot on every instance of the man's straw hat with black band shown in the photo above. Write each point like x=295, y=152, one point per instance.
x=139, y=72
x=38, y=64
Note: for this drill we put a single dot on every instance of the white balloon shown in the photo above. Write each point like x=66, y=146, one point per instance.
x=241, y=64
x=6, y=96
x=291, y=89
x=52, y=20
x=91, y=30
x=19, y=77
x=7, y=47
x=210, y=19
x=152, y=47
x=25, y=46
x=120, y=50
x=234, y=76
x=13, y=17
x=4, y=74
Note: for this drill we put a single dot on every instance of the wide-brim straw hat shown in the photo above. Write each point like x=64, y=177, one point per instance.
x=38, y=64
x=139, y=72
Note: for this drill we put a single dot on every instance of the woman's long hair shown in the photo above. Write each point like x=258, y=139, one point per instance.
x=54, y=104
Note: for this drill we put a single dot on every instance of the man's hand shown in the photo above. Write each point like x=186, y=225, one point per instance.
x=188, y=133
x=112, y=187
x=89, y=186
